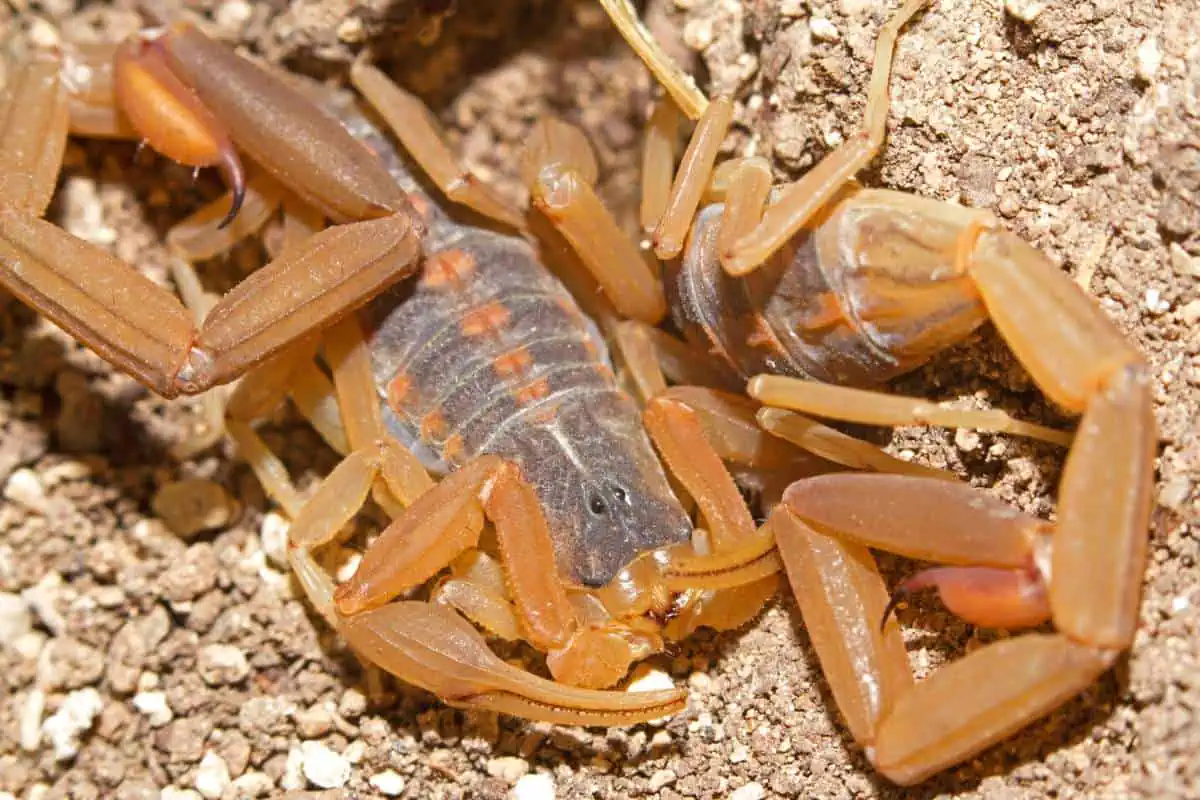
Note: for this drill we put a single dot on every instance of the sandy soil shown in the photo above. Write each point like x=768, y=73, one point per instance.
x=133, y=658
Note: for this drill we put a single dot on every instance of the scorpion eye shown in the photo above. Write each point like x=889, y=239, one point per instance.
x=620, y=494
x=597, y=505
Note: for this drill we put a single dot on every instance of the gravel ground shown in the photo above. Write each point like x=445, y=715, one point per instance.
x=134, y=658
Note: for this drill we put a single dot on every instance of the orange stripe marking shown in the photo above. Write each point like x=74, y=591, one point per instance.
x=485, y=321
x=398, y=389
x=533, y=392
x=433, y=426
x=448, y=269
x=514, y=362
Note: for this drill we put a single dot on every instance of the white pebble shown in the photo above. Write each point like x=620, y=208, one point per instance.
x=76, y=716
x=1155, y=303
x=253, y=784
x=740, y=753
x=15, y=619
x=233, y=15
x=212, y=776
x=661, y=779
x=324, y=768
x=274, y=532
x=31, y=720
x=1149, y=59
x=387, y=783
x=647, y=679
x=221, y=664
x=823, y=29
x=509, y=769
x=153, y=705
x=751, y=791
x=967, y=440
x=536, y=786
x=293, y=770
x=1024, y=10
x=25, y=489
x=172, y=793
x=194, y=505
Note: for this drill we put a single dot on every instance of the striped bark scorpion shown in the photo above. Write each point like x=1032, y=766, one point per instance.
x=485, y=368
x=819, y=288
x=482, y=368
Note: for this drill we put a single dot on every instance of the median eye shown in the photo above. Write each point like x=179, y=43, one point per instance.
x=597, y=505
x=620, y=494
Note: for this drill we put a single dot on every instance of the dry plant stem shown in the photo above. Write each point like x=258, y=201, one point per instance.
x=678, y=83
x=658, y=161
x=691, y=179
x=875, y=408
x=33, y=135
x=419, y=135
x=800, y=201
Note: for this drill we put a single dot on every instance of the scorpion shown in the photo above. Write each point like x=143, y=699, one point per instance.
x=452, y=350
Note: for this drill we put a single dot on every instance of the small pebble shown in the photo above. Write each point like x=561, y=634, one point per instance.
x=233, y=15
x=212, y=776
x=1190, y=313
x=387, y=783
x=274, y=532
x=191, y=506
x=253, y=784
x=509, y=769
x=648, y=679
x=966, y=440
x=661, y=779
x=313, y=723
x=25, y=489
x=293, y=770
x=353, y=704
x=324, y=768
x=1024, y=10
x=74, y=718
x=739, y=754
x=1149, y=59
x=153, y=705
x=31, y=720
x=823, y=29
x=221, y=664
x=535, y=786
x=751, y=791
x=15, y=618
x=172, y=793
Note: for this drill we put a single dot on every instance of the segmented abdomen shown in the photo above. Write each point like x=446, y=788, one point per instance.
x=486, y=341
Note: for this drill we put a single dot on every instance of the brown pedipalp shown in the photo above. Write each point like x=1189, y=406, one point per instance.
x=171, y=118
